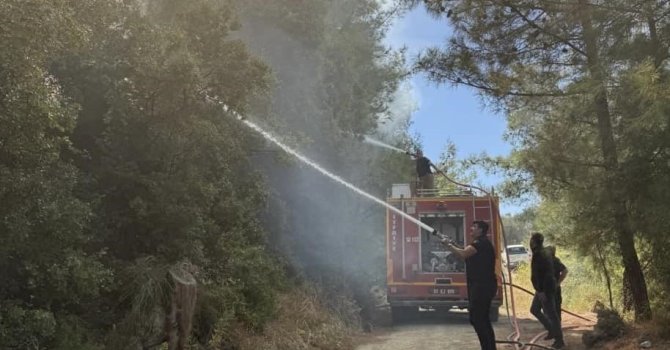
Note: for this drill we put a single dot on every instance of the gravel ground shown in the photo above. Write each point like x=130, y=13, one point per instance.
x=452, y=330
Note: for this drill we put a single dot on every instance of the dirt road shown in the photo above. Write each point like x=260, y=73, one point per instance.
x=453, y=331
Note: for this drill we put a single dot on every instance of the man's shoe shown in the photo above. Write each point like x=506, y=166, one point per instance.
x=558, y=345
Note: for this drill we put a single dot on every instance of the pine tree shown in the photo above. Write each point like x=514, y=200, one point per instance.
x=558, y=68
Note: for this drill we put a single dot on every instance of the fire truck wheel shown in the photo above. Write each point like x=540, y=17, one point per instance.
x=494, y=313
x=402, y=313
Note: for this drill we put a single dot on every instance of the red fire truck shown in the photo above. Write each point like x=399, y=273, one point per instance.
x=421, y=272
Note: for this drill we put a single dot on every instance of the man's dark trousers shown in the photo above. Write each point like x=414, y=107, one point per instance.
x=547, y=315
x=559, y=303
x=479, y=307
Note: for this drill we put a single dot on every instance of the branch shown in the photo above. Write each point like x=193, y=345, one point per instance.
x=579, y=163
x=598, y=6
x=564, y=182
x=390, y=14
x=662, y=15
x=554, y=35
x=497, y=92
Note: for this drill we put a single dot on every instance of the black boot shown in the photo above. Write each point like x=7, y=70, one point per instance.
x=558, y=344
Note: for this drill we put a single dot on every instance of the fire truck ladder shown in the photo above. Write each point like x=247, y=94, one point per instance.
x=474, y=203
x=489, y=206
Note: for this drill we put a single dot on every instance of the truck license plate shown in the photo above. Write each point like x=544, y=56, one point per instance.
x=443, y=291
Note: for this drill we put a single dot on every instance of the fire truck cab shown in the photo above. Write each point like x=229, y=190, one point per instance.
x=421, y=272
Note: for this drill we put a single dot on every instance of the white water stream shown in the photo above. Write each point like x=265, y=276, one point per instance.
x=334, y=177
x=372, y=141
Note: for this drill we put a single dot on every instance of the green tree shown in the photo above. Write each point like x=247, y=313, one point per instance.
x=50, y=279
x=518, y=227
x=562, y=70
x=166, y=170
x=118, y=166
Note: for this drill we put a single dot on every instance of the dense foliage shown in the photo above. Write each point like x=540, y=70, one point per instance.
x=120, y=178
x=584, y=84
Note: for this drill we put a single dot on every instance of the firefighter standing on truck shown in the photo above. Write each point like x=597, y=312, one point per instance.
x=481, y=280
x=423, y=171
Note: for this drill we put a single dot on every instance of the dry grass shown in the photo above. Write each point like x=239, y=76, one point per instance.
x=581, y=289
x=303, y=322
x=637, y=334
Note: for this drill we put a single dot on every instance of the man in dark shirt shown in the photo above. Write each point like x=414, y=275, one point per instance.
x=482, y=284
x=560, y=272
x=423, y=171
x=544, y=282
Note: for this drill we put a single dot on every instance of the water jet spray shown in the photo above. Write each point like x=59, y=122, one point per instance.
x=375, y=142
x=332, y=176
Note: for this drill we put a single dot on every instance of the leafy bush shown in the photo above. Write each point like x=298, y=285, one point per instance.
x=303, y=322
x=22, y=327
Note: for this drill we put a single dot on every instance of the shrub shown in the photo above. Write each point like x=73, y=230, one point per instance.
x=610, y=326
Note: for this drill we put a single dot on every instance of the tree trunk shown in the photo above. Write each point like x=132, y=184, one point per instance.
x=659, y=52
x=179, y=316
x=172, y=326
x=608, y=279
x=635, y=277
x=622, y=227
x=627, y=295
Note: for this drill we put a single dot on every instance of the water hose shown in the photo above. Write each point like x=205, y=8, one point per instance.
x=564, y=310
x=512, y=338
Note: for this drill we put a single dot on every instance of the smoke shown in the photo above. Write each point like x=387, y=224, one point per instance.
x=393, y=126
x=268, y=136
x=319, y=226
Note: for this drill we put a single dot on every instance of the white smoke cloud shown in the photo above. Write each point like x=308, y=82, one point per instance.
x=393, y=125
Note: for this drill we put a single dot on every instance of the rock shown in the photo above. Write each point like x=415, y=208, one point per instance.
x=610, y=323
x=645, y=344
x=610, y=326
x=591, y=338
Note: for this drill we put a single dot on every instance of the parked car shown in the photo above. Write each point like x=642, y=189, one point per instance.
x=517, y=255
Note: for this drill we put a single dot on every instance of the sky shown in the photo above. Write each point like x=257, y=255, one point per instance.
x=444, y=112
